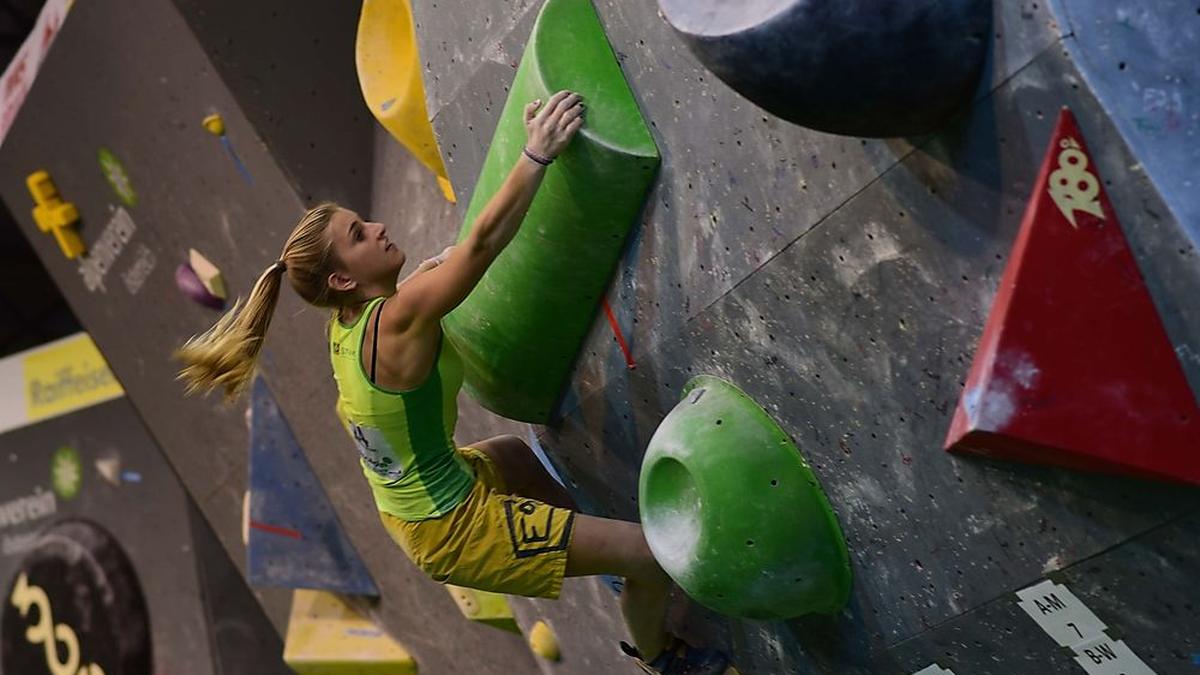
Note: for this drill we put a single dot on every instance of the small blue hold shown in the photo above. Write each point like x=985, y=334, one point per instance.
x=387, y=104
x=131, y=476
x=617, y=584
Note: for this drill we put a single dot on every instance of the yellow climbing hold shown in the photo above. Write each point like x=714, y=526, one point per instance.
x=389, y=72
x=544, y=642
x=326, y=637
x=490, y=609
x=53, y=214
x=214, y=124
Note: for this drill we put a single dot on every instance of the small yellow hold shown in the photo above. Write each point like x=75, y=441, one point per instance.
x=544, y=642
x=490, y=609
x=465, y=599
x=326, y=636
x=54, y=215
x=42, y=188
x=214, y=124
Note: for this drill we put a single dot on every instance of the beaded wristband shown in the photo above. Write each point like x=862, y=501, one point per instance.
x=544, y=161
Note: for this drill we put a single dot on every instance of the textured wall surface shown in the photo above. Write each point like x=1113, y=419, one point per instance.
x=1136, y=58
x=842, y=283
x=290, y=67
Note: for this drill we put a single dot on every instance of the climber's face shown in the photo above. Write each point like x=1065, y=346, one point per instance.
x=367, y=263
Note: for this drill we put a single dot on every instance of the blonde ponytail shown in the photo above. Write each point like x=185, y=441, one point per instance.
x=225, y=355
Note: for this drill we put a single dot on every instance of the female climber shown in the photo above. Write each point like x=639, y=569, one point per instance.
x=487, y=516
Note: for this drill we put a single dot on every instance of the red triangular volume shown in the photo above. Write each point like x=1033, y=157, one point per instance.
x=1074, y=367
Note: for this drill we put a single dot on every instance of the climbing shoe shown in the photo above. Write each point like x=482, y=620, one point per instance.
x=680, y=658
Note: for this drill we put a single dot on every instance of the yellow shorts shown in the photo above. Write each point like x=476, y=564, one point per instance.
x=492, y=541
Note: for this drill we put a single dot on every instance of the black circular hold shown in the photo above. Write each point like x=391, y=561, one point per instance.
x=874, y=68
x=77, y=586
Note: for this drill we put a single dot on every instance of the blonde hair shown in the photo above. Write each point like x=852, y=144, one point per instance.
x=225, y=355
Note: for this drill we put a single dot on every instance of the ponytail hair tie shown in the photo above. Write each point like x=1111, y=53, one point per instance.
x=279, y=265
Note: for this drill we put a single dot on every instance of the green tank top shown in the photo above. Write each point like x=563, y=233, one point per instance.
x=405, y=439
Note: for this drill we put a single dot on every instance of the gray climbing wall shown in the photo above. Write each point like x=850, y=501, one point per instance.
x=1135, y=58
x=842, y=283
x=285, y=64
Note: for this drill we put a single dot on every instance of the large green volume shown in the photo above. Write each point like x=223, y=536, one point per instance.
x=733, y=513
x=520, y=329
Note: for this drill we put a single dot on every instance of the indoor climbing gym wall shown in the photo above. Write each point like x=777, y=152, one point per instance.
x=877, y=316
x=94, y=582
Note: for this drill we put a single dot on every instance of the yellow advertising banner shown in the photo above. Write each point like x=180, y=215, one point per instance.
x=68, y=375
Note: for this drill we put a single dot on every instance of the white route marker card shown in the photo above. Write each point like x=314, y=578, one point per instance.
x=1065, y=618
x=1106, y=656
x=1062, y=615
x=934, y=669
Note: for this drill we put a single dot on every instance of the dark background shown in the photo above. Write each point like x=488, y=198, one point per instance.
x=32, y=311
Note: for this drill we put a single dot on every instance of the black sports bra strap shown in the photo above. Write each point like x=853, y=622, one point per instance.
x=375, y=341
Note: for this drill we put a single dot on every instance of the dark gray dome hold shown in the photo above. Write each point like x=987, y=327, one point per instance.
x=877, y=68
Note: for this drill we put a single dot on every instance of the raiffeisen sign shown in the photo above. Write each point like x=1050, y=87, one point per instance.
x=54, y=379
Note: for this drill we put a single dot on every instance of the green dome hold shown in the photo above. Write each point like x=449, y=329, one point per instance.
x=733, y=513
